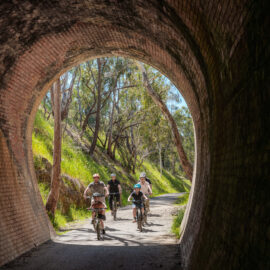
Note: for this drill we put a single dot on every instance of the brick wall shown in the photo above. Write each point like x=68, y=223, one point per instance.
x=216, y=54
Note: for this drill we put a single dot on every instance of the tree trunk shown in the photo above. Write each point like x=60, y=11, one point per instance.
x=109, y=148
x=85, y=122
x=67, y=95
x=97, y=125
x=187, y=167
x=79, y=97
x=56, y=170
x=160, y=160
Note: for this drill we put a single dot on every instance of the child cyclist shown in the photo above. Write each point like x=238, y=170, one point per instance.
x=96, y=204
x=137, y=200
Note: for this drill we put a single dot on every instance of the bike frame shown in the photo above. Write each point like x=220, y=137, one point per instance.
x=97, y=221
x=139, y=215
x=114, y=204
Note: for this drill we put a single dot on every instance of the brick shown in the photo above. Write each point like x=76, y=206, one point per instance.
x=215, y=53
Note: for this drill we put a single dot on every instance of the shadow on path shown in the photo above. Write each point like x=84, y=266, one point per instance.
x=78, y=257
x=123, y=246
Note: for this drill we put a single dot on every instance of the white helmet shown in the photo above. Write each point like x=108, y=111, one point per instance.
x=142, y=175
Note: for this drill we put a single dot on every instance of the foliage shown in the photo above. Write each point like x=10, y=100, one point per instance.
x=78, y=164
x=133, y=135
x=177, y=222
x=181, y=201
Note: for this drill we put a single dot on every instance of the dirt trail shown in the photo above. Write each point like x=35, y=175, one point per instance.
x=123, y=247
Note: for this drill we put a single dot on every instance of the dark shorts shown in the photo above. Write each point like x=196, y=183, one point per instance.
x=139, y=205
x=101, y=216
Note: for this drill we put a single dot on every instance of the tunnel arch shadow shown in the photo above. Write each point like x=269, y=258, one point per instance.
x=172, y=51
x=48, y=73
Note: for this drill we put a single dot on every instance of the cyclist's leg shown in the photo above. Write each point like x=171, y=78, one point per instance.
x=110, y=201
x=102, y=218
x=147, y=204
x=101, y=224
x=134, y=212
x=93, y=216
x=103, y=214
x=142, y=207
x=118, y=199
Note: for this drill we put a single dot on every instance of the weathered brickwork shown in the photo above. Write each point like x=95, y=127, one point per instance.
x=216, y=53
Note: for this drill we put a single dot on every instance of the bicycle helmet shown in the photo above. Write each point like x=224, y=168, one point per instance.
x=143, y=175
x=96, y=194
x=113, y=174
x=96, y=175
x=137, y=186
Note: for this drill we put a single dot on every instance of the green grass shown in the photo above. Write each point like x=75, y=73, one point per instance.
x=75, y=163
x=181, y=201
x=59, y=220
x=177, y=222
x=44, y=191
x=165, y=183
x=79, y=164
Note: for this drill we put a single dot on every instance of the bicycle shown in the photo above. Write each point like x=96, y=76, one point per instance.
x=114, y=204
x=145, y=210
x=139, y=215
x=97, y=221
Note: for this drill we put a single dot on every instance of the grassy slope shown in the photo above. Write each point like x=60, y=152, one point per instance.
x=78, y=164
x=181, y=202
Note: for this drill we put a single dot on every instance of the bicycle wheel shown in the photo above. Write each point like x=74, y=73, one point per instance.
x=114, y=209
x=139, y=221
x=145, y=214
x=145, y=217
x=94, y=224
x=98, y=231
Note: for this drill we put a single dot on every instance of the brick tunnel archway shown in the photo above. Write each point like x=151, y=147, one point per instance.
x=213, y=54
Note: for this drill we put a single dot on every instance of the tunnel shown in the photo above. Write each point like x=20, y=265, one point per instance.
x=217, y=55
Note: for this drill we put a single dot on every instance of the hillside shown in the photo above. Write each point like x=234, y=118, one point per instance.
x=78, y=167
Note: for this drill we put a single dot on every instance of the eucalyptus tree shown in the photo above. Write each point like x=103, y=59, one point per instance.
x=176, y=136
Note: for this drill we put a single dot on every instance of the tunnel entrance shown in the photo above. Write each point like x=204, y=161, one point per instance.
x=216, y=53
x=133, y=135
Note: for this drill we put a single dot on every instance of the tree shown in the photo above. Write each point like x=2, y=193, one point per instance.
x=67, y=91
x=97, y=125
x=187, y=167
x=56, y=170
x=127, y=124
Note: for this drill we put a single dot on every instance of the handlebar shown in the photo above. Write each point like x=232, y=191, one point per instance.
x=90, y=197
x=115, y=193
x=95, y=209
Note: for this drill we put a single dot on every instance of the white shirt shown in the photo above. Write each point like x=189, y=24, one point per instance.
x=145, y=188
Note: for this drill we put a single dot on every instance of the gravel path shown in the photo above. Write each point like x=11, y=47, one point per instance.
x=123, y=246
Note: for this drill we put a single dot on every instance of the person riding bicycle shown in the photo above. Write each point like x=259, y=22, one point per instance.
x=96, y=186
x=115, y=190
x=147, y=180
x=145, y=189
x=97, y=204
x=138, y=198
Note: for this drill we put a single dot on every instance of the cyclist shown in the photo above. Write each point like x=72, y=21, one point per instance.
x=146, y=189
x=96, y=186
x=97, y=203
x=147, y=180
x=114, y=187
x=138, y=197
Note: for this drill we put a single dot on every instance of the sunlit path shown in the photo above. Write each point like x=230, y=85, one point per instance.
x=124, y=247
